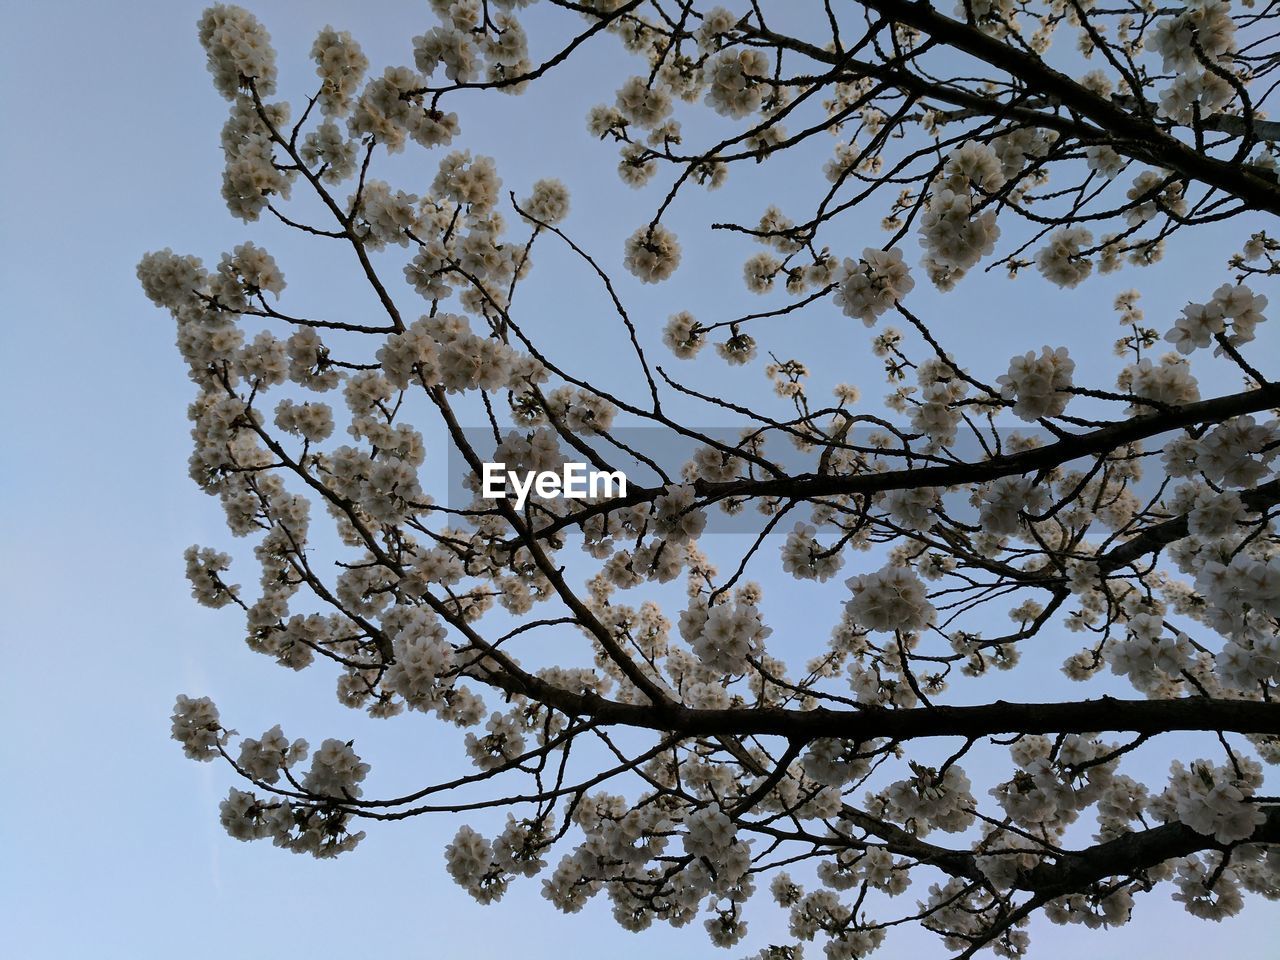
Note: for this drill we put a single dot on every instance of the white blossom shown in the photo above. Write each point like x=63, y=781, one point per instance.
x=1039, y=386
x=889, y=599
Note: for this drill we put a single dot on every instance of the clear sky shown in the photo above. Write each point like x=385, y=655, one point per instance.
x=111, y=846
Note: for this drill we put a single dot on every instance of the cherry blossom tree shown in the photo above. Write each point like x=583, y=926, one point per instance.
x=685, y=748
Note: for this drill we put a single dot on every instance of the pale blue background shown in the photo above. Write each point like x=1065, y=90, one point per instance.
x=111, y=847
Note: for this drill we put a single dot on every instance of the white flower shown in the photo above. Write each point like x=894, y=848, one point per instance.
x=451, y=47
x=388, y=111
x=806, y=559
x=311, y=421
x=731, y=633
x=1196, y=327
x=469, y=860
x=549, y=201
x=636, y=165
x=263, y=759
x=872, y=285
x=643, y=104
x=1039, y=385
x=411, y=356
x=170, y=280
x=739, y=349
x=503, y=742
x=336, y=771
x=1215, y=515
x=1141, y=657
x=926, y=800
x=1061, y=261
x=243, y=817
x=1215, y=902
x=974, y=164
x=1169, y=382
x=340, y=64
x=953, y=238
x=683, y=335
x=652, y=254
x=891, y=598
x=675, y=519
x=239, y=50
x=204, y=570
x=1207, y=21
x=711, y=836
x=1238, y=591
x=912, y=507
x=196, y=727
x=1166, y=195
x=507, y=48
x=1195, y=93
x=388, y=217
x=1238, y=452
x=716, y=23
x=1242, y=307
x=1210, y=800
x=325, y=147
x=422, y=655
x=466, y=180
x=1004, y=499
x=731, y=91
x=1104, y=161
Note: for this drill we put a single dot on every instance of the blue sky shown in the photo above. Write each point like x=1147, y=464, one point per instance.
x=111, y=842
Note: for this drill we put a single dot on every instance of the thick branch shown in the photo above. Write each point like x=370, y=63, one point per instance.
x=1132, y=853
x=1162, y=534
x=1132, y=134
x=1092, y=444
x=1001, y=717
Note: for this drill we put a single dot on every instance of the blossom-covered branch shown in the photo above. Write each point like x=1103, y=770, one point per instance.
x=688, y=738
